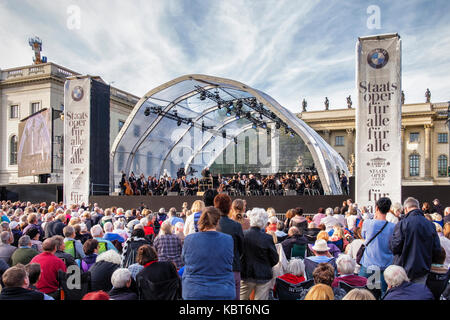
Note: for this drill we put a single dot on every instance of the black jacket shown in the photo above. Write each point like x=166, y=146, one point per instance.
x=288, y=243
x=159, y=281
x=17, y=293
x=66, y=258
x=259, y=255
x=101, y=273
x=54, y=228
x=122, y=294
x=234, y=229
x=413, y=243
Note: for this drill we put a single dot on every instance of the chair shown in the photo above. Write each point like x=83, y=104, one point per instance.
x=347, y=288
x=72, y=293
x=310, y=265
x=288, y=291
x=298, y=251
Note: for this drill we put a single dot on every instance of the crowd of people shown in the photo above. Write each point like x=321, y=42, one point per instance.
x=238, y=184
x=217, y=249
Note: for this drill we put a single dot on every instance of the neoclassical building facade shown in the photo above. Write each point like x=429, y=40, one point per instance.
x=425, y=148
x=26, y=90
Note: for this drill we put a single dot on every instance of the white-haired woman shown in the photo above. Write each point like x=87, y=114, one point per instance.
x=295, y=273
x=119, y=228
x=102, y=270
x=168, y=245
x=121, y=281
x=400, y=288
x=259, y=256
x=346, y=267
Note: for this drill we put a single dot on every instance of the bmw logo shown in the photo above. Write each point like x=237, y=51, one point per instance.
x=377, y=58
x=77, y=93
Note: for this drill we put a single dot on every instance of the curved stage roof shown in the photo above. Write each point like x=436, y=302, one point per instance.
x=201, y=116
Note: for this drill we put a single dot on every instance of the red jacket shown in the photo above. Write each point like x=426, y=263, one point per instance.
x=50, y=264
x=352, y=280
x=149, y=230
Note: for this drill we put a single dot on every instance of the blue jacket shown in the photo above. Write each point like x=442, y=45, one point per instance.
x=409, y=291
x=208, y=272
x=413, y=243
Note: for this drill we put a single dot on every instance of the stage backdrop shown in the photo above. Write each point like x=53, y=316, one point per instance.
x=378, y=119
x=76, y=140
x=35, y=144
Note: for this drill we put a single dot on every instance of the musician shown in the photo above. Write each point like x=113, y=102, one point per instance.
x=132, y=181
x=122, y=185
x=251, y=183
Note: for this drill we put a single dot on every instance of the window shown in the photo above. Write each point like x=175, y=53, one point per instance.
x=121, y=123
x=13, y=150
x=442, y=137
x=14, y=111
x=35, y=107
x=442, y=165
x=414, y=137
x=339, y=141
x=414, y=162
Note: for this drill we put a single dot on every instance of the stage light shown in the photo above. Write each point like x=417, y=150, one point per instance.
x=228, y=112
x=224, y=134
x=268, y=131
x=238, y=116
x=235, y=140
x=277, y=125
x=264, y=125
x=216, y=94
x=203, y=126
x=286, y=131
x=219, y=105
x=254, y=125
x=147, y=111
x=179, y=123
x=248, y=115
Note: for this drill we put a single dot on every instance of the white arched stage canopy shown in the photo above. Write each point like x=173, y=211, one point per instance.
x=190, y=121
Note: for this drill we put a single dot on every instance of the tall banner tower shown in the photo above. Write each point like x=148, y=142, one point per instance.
x=378, y=120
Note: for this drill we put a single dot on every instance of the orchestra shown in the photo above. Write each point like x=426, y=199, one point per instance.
x=236, y=184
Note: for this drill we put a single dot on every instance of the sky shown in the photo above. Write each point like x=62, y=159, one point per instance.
x=292, y=50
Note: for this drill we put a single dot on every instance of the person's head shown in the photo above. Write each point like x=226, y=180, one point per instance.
x=96, y=231
x=320, y=292
x=290, y=213
x=357, y=233
x=223, y=202
x=109, y=256
x=121, y=278
x=280, y=225
x=271, y=212
x=446, y=230
x=258, y=218
x=208, y=197
x=69, y=232
x=5, y=237
x=90, y=246
x=323, y=273
x=238, y=208
x=296, y=267
x=96, y=295
x=166, y=228
x=15, y=277
x=197, y=206
x=321, y=210
x=345, y=264
x=299, y=211
x=273, y=220
x=329, y=211
x=359, y=294
x=395, y=275
x=24, y=241
x=447, y=211
x=59, y=240
x=323, y=235
x=34, y=272
x=293, y=231
x=209, y=219
x=146, y=254
x=425, y=206
x=108, y=227
x=383, y=205
x=49, y=245
x=320, y=247
x=397, y=209
x=410, y=204
x=32, y=218
x=179, y=227
x=61, y=217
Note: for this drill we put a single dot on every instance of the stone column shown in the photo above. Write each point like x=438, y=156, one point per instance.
x=351, y=142
x=275, y=148
x=326, y=135
x=428, y=159
x=403, y=154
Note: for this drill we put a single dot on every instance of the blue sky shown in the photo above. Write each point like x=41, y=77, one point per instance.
x=291, y=49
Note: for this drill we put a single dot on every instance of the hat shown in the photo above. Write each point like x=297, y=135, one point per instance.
x=13, y=225
x=321, y=246
x=162, y=210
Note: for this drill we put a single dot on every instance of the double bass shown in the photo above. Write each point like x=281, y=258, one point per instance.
x=128, y=190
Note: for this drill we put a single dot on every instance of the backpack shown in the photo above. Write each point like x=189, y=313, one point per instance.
x=102, y=247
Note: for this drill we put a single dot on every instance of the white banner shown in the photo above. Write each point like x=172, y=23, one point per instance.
x=76, y=140
x=378, y=120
